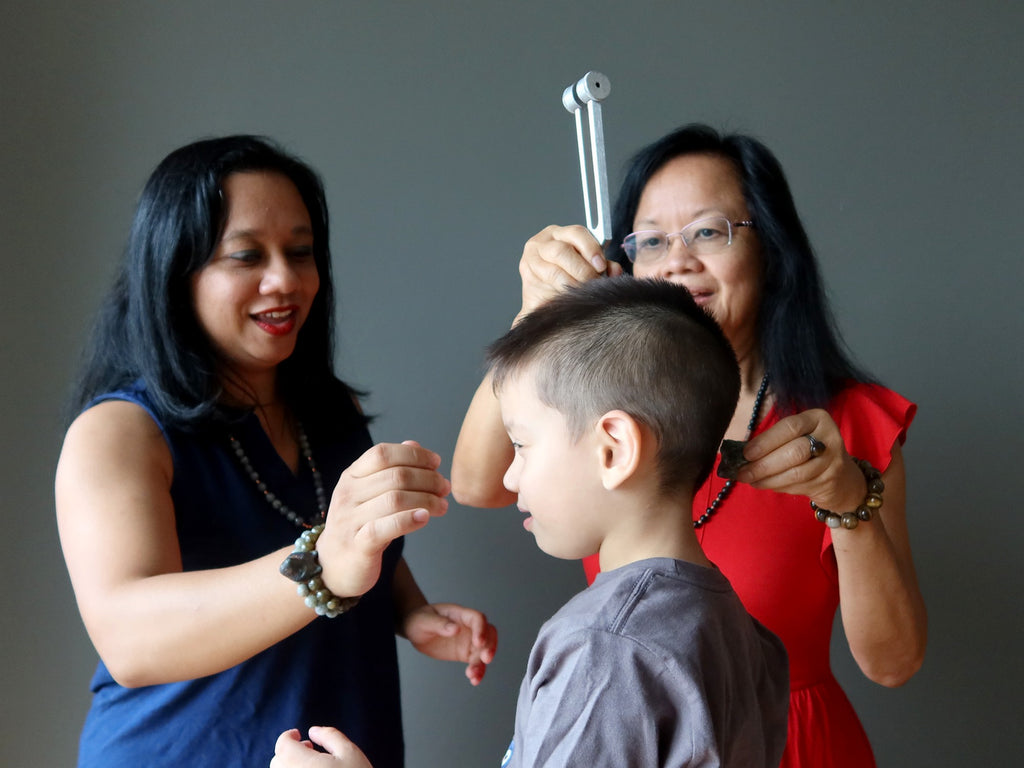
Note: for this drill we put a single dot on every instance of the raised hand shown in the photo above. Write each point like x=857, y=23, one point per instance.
x=804, y=455
x=389, y=491
x=558, y=257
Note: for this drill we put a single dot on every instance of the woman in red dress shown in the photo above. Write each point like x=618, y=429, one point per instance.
x=714, y=213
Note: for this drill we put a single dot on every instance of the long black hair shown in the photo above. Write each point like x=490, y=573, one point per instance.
x=799, y=342
x=147, y=327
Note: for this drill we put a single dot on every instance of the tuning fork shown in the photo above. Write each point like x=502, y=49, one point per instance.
x=587, y=93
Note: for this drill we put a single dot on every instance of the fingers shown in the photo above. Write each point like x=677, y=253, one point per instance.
x=781, y=458
x=475, y=673
x=381, y=531
x=339, y=745
x=482, y=654
x=558, y=257
x=484, y=638
x=394, y=477
x=814, y=421
x=390, y=491
x=290, y=751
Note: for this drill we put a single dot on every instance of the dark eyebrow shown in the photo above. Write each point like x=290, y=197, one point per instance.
x=237, y=234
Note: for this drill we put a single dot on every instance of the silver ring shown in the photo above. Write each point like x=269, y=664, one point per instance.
x=817, y=447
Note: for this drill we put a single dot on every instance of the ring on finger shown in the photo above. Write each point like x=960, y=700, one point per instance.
x=817, y=447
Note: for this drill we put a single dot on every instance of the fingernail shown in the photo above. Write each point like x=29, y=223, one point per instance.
x=599, y=263
x=420, y=515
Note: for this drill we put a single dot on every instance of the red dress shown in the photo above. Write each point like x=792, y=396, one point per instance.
x=780, y=561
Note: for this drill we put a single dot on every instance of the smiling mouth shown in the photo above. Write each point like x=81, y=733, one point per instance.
x=275, y=315
x=277, y=322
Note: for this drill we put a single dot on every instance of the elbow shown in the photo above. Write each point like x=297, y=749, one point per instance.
x=472, y=492
x=128, y=678
x=467, y=494
x=128, y=672
x=897, y=675
x=130, y=664
x=473, y=497
x=894, y=669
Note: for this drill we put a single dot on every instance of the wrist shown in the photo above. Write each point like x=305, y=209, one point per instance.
x=865, y=510
x=848, y=491
x=303, y=567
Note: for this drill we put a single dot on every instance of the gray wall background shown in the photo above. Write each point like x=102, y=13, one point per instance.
x=439, y=130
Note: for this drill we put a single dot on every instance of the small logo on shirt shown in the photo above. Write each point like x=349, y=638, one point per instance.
x=508, y=754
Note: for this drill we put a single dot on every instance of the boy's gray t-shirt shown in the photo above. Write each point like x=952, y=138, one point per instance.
x=655, y=664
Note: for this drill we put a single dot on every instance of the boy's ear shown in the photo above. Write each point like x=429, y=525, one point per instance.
x=619, y=442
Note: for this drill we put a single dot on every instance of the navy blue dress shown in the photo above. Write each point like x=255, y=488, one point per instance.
x=341, y=672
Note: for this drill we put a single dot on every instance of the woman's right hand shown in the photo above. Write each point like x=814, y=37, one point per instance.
x=291, y=751
x=389, y=491
x=557, y=257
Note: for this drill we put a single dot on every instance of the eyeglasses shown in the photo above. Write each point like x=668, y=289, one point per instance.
x=702, y=238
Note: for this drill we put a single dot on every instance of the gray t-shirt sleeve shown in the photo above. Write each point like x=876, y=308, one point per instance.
x=594, y=699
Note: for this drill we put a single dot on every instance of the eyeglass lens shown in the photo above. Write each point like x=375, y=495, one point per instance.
x=701, y=237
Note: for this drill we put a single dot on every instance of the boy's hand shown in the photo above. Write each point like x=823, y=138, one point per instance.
x=451, y=632
x=291, y=752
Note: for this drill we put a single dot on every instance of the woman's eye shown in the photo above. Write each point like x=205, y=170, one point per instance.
x=301, y=252
x=246, y=257
x=651, y=242
x=706, y=233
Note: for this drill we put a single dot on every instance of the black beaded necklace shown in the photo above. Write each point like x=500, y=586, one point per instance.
x=293, y=517
x=751, y=426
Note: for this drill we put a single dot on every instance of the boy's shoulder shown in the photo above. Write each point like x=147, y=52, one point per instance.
x=657, y=603
x=661, y=642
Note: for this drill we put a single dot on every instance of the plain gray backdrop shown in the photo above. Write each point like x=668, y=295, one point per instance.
x=439, y=130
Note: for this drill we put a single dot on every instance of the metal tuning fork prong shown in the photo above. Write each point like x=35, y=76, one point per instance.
x=589, y=91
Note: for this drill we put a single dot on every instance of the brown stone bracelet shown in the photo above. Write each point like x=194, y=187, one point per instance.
x=866, y=510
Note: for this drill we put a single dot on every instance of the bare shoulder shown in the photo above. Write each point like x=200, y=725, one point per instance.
x=115, y=514
x=113, y=441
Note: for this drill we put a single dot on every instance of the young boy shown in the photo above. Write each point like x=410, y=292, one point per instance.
x=615, y=396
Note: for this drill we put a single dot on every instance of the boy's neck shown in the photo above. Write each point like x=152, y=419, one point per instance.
x=661, y=527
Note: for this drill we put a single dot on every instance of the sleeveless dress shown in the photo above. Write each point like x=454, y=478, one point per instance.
x=341, y=671
x=781, y=563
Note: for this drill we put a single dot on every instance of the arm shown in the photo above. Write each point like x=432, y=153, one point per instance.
x=552, y=260
x=153, y=623
x=882, y=608
x=482, y=453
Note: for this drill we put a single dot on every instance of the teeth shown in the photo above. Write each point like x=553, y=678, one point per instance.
x=276, y=315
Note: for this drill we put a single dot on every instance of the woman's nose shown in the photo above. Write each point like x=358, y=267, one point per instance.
x=678, y=257
x=279, y=276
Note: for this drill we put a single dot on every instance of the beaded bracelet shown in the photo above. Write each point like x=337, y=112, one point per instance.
x=303, y=566
x=866, y=510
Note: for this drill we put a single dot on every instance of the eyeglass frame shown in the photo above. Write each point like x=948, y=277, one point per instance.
x=679, y=234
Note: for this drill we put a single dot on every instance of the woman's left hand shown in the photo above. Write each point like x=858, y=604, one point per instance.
x=451, y=632
x=883, y=612
x=781, y=459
